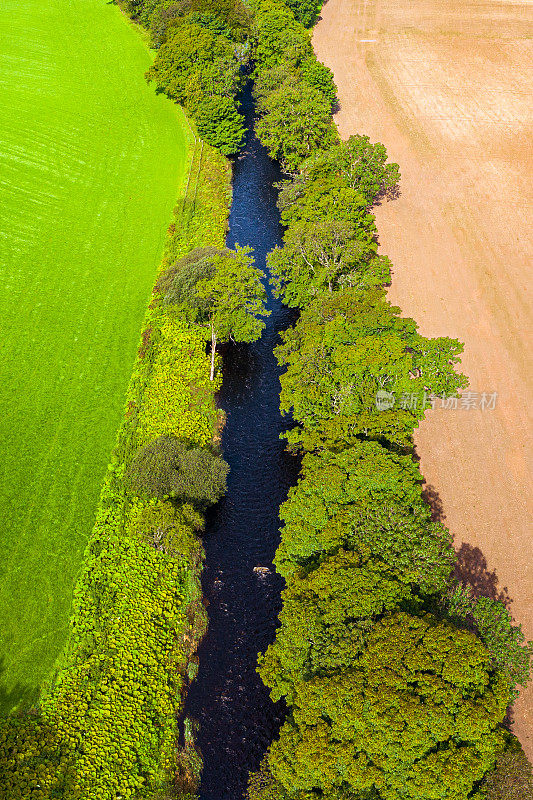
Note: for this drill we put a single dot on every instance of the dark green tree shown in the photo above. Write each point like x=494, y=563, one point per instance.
x=194, y=64
x=169, y=467
x=295, y=121
x=417, y=718
x=220, y=124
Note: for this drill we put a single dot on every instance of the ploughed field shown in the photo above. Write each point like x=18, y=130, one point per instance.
x=91, y=162
x=446, y=86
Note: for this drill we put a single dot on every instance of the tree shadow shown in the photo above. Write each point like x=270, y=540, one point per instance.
x=472, y=568
x=433, y=499
x=392, y=193
x=19, y=696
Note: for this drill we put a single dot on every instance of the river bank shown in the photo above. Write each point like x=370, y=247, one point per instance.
x=237, y=719
x=435, y=88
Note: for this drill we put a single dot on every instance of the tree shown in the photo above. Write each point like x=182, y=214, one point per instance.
x=326, y=616
x=510, y=652
x=220, y=124
x=168, y=467
x=279, y=38
x=223, y=291
x=235, y=299
x=360, y=478
x=194, y=63
x=329, y=244
x=319, y=76
x=349, y=351
x=417, y=718
x=356, y=164
x=295, y=121
x=305, y=11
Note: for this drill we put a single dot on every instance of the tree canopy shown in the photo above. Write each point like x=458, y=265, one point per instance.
x=346, y=348
x=416, y=717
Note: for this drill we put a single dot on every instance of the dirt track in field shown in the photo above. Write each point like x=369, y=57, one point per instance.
x=446, y=86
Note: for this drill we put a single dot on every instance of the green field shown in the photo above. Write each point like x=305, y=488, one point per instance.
x=91, y=162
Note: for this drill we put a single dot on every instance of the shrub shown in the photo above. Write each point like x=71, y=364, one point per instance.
x=168, y=467
x=220, y=124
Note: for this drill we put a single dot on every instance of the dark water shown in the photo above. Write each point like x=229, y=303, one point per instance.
x=237, y=718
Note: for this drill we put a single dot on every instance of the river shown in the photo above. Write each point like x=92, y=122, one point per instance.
x=237, y=719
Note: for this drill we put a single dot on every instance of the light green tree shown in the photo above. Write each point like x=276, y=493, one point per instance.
x=234, y=299
x=345, y=350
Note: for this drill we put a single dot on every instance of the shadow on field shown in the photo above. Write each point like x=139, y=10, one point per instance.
x=472, y=568
x=18, y=696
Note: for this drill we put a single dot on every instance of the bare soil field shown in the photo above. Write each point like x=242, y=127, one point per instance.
x=447, y=87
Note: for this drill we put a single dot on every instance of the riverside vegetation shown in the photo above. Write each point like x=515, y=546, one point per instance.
x=396, y=679
x=106, y=725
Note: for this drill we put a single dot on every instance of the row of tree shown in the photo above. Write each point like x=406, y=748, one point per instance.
x=203, y=47
x=203, y=50
x=396, y=678
x=294, y=92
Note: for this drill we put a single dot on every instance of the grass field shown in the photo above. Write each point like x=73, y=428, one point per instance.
x=91, y=162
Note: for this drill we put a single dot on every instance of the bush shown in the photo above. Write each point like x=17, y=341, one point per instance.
x=168, y=467
x=220, y=124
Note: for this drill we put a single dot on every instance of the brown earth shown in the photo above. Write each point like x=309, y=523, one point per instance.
x=446, y=86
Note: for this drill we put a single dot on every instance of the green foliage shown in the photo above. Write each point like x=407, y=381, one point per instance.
x=345, y=348
x=329, y=245
x=229, y=18
x=178, y=283
x=319, y=76
x=168, y=467
x=363, y=477
x=325, y=618
x=294, y=93
x=417, y=717
x=305, y=11
x=511, y=654
x=295, y=121
x=220, y=124
x=35, y=763
x=234, y=296
x=330, y=242
x=195, y=64
x=512, y=778
x=279, y=38
x=356, y=164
